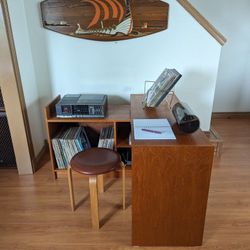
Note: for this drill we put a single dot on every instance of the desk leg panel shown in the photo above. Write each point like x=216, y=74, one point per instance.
x=170, y=192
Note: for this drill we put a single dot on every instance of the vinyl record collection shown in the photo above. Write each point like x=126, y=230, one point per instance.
x=70, y=141
x=106, y=139
x=67, y=143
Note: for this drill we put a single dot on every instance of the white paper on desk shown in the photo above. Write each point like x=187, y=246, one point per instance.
x=159, y=125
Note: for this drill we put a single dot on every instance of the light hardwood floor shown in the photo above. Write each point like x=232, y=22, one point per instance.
x=35, y=211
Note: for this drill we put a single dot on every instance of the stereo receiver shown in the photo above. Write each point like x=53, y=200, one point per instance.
x=82, y=106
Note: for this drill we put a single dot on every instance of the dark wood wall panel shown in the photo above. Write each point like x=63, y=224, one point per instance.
x=105, y=20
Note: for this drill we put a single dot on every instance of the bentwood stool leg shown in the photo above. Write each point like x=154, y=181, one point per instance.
x=123, y=186
x=100, y=183
x=71, y=189
x=94, y=201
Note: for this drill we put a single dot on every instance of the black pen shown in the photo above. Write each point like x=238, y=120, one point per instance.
x=151, y=131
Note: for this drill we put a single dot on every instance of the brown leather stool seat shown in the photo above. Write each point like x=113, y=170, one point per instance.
x=95, y=162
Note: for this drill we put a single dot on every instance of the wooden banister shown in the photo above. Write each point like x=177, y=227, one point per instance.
x=202, y=21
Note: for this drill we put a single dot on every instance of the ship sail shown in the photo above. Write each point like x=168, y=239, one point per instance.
x=124, y=27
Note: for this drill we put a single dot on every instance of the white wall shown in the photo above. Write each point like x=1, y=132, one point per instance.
x=233, y=20
x=68, y=65
x=28, y=76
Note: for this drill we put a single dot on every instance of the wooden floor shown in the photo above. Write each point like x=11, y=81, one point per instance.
x=35, y=211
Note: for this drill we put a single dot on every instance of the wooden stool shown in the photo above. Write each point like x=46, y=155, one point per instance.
x=95, y=162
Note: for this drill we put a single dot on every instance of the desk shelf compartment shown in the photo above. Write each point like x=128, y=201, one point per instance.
x=123, y=130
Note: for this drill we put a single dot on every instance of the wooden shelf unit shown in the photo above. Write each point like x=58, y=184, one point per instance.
x=117, y=116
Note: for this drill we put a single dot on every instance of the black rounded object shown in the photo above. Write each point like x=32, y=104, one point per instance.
x=186, y=120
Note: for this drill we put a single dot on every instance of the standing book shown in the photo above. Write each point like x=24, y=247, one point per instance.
x=161, y=87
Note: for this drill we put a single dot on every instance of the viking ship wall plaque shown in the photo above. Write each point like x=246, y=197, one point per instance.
x=105, y=20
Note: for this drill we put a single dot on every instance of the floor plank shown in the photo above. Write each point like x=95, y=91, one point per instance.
x=35, y=210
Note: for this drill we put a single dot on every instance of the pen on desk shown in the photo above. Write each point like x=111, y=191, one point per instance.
x=151, y=131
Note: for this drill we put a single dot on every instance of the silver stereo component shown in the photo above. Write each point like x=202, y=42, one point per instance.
x=82, y=106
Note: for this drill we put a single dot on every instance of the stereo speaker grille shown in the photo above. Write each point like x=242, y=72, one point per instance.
x=7, y=155
x=1, y=101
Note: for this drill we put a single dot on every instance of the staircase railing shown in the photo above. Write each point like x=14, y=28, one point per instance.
x=202, y=21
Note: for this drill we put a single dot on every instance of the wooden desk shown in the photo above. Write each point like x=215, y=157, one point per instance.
x=170, y=179
x=170, y=184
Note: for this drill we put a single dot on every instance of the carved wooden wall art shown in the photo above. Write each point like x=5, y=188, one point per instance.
x=105, y=20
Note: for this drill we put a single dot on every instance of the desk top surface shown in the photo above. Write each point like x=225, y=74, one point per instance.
x=197, y=138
